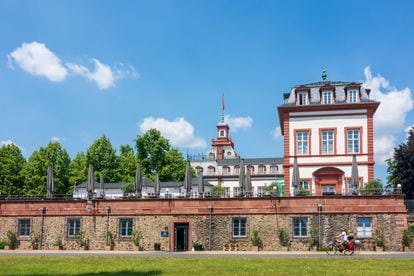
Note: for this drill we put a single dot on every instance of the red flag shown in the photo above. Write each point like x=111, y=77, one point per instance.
x=222, y=102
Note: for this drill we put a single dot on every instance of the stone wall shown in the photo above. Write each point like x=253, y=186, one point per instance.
x=150, y=217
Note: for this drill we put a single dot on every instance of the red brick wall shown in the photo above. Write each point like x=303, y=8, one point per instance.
x=286, y=205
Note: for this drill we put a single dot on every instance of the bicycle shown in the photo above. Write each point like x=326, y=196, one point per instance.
x=347, y=249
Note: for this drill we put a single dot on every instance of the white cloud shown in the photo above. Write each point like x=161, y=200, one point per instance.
x=389, y=119
x=10, y=142
x=7, y=143
x=55, y=139
x=103, y=75
x=276, y=133
x=236, y=123
x=179, y=132
x=407, y=130
x=36, y=59
x=384, y=147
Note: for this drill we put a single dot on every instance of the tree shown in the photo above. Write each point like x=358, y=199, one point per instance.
x=174, y=167
x=11, y=164
x=127, y=164
x=35, y=170
x=157, y=156
x=152, y=148
x=401, y=168
x=372, y=187
x=78, y=170
x=103, y=158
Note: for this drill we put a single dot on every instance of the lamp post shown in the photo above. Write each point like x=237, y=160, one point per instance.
x=210, y=211
x=42, y=224
x=319, y=225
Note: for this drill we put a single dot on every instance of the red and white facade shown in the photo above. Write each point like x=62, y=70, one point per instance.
x=324, y=125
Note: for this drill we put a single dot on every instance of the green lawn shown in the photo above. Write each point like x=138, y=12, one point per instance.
x=206, y=266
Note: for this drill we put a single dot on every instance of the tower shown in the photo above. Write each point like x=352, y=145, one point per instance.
x=328, y=130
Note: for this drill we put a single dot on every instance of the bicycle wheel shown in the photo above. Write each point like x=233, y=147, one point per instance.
x=331, y=249
x=348, y=252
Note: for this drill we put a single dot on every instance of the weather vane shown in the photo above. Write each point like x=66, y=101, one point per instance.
x=324, y=75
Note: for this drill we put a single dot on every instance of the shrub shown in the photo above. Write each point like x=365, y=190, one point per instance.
x=59, y=243
x=35, y=241
x=12, y=240
x=283, y=235
x=314, y=237
x=110, y=240
x=82, y=240
x=379, y=237
x=256, y=241
x=372, y=187
x=2, y=244
x=136, y=237
x=407, y=239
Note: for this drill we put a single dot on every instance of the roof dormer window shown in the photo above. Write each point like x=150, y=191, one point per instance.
x=352, y=96
x=327, y=97
x=303, y=98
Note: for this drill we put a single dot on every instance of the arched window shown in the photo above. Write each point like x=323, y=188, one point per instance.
x=273, y=169
x=237, y=170
x=251, y=169
x=199, y=169
x=211, y=170
x=262, y=169
x=226, y=170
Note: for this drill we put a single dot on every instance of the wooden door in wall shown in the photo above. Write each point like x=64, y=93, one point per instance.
x=328, y=181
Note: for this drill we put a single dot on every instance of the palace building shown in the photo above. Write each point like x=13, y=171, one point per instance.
x=310, y=194
x=328, y=133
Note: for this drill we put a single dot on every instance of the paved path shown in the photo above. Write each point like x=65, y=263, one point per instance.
x=202, y=254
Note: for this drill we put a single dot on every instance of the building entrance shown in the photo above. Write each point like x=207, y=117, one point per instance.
x=181, y=237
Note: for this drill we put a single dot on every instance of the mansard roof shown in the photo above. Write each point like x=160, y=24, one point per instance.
x=251, y=161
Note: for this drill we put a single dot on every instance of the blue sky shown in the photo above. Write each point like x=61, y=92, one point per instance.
x=119, y=67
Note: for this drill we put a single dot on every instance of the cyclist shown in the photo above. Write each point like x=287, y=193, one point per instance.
x=342, y=239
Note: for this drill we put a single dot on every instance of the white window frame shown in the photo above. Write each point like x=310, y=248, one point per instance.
x=327, y=97
x=328, y=141
x=211, y=171
x=226, y=170
x=73, y=227
x=273, y=169
x=328, y=189
x=352, y=96
x=262, y=169
x=239, y=227
x=126, y=227
x=364, y=227
x=300, y=227
x=24, y=227
x=302, y=142
x=304, y=184
x=236, y=170
x=303, y=98
x=353, y=142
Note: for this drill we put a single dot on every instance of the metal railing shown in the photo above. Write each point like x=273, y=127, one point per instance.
x=219, y=194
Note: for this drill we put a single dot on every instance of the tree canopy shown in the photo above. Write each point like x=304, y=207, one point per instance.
x=78, y=169
x=18, y=176
x=401, y=167
x=34, y=172
x=103, y=158
x=11, y=164
x=157, y=156
x=127, y=164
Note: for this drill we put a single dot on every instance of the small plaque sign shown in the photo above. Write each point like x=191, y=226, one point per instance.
x=164, y=234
